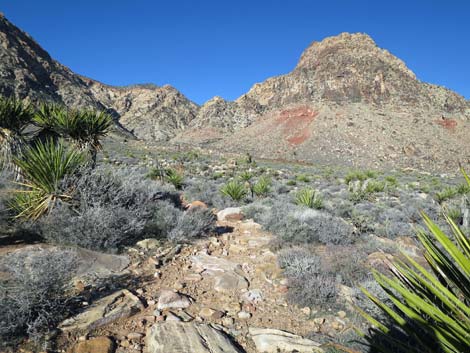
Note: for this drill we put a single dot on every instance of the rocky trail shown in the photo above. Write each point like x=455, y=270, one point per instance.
x=222, y=294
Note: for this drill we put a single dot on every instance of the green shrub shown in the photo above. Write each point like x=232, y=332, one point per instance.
x=262, y=187
x=246, y=176
x=174, y=178
x=235, y=190
x=291, y=183
x=303, y=178
x=309, y=198
x=446, y=194
x=374, y=186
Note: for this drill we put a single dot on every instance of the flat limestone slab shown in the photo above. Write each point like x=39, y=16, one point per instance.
x=274, y=341
x=188, y=337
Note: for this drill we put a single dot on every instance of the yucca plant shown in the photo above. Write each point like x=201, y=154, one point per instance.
x=262, y=187
x=235, y=190
x=44, y=165
x=174, y=178
x=84, y=127
x=15, y=115
x=246, y=176
x=308, y=197
x=430, y=308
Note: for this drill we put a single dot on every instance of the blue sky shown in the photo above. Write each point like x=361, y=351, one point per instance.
x=208, y=48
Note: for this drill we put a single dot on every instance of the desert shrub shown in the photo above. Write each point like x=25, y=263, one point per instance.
x=308, y=285
x=194, y=223
x=313, y=290
x=298, y=262
x=303, y=178
x=355, y=175
x=234, y=190
x=110, y=209
x=374, y=186
x=165, y=217
x=291, y=182
x=33, y=292
x=208, y=192
x=296, y=225
x=446, y=194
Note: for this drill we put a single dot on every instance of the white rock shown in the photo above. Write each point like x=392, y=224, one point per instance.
x=230, y=214
x=273, y=341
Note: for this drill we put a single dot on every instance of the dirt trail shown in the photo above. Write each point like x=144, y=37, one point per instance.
x=232, y=280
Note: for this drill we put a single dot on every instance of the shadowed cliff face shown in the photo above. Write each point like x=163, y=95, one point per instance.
x=346, y=100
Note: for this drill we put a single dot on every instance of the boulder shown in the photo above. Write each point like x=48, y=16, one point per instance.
x=121, y=304
x=188, y=337
x=274, y=341
x=230, y=214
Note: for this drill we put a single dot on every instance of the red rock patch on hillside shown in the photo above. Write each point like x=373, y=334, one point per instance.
x=449, y=124
x=295, y=124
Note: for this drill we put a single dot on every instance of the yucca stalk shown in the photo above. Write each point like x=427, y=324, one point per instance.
x=431, y=308
x=15, y=115
x=43, y=167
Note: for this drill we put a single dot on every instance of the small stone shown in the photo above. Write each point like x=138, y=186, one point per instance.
x=227, y=321
x=134, y=336
x=206, y=313
x=193, y=277
x=178, y=285
x=148, y=244
x=243, y=315
x=230, y=214
x=172, y=317
x=151, y=302
x=172, y=300
x=125, y=343
x=252, y=296
x=307, y=311
x=149, y=319
x=319, y=320
x=341, y=314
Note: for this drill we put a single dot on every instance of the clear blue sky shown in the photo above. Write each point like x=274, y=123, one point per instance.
x=207, y=48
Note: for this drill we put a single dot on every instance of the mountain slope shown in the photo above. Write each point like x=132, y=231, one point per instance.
x=28, y=71
x=346, y=101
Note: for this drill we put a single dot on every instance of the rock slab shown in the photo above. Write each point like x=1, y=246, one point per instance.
x=179, y=337
x=116, y=306
x=274, y=341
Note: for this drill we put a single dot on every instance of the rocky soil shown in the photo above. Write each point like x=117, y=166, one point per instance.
x=223, y=294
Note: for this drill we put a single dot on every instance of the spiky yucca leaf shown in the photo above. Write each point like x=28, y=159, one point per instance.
x=262, y=187
x=432, y=308
x=44, y=166
x=15, y=115
x=174, y=178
